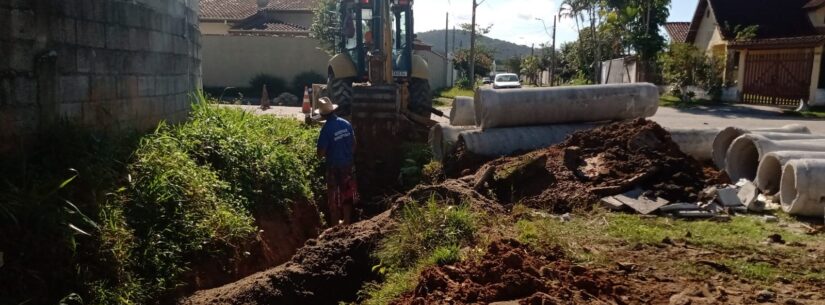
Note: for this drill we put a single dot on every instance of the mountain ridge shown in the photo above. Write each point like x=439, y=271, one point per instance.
x=503, y=49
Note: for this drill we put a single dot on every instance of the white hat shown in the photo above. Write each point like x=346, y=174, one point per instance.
x=325, y=106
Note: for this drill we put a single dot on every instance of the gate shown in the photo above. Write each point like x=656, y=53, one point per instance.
x=778, y=78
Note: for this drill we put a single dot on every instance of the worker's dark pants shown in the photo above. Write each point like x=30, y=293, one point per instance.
x=341, y=194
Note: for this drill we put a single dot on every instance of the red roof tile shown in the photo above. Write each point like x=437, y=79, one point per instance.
x=265, y=23
x=678, y=31
x=241, y=9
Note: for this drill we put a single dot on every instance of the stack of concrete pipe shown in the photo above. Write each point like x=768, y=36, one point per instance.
x=501, y=122
x=789, y=161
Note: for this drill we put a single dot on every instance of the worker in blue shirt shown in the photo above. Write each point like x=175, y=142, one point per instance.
x=336, y=145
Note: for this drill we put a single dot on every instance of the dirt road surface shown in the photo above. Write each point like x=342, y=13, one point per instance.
x=745, y=116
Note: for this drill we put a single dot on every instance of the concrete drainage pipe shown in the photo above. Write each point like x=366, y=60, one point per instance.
x=802, y=192
x=560, y=105
x=747, y=151
x=727, y=135
x=697, y=143
x=443, y=137
x=463, y=112
x=769, y=173
x=505, y=141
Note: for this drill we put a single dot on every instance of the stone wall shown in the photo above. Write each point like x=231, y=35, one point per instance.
x=106, y=64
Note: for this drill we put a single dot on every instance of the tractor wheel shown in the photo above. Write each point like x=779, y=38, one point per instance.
x=421, y=97
x=340, y=91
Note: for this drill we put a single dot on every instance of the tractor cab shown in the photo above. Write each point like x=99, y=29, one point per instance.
x=362, y=39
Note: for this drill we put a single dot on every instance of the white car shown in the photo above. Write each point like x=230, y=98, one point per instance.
x=506, y=80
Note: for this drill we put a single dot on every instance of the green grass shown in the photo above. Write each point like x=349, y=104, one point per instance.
x=454, y=92
x=427, y=235
x=675, y=102
x=813, y=112
x=741, y=233
x=442, y=102
x=735, y=240
x=126, y=216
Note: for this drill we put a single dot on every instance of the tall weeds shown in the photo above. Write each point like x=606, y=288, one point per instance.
x=119, y=219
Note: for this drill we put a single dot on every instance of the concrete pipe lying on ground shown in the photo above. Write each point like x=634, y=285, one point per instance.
x=769, y=172
x=559, y=105
x=725, y=137
x=697, y=143
x=463, y=112
x=747, y=151
x=505, y=141
x=443, y=137
x=802, y=191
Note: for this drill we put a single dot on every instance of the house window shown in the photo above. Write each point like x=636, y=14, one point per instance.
x=736, y=55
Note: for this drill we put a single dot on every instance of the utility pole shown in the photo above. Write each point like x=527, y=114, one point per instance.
x=553, y=55
x=453, y=39
x=447, y=48
x=473, y=44
x=533, y=50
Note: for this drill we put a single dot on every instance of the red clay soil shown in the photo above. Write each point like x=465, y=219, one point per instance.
x=333, y=267
x=511, y=273
x=604, y=161
x=282, y=234
x=327, y=270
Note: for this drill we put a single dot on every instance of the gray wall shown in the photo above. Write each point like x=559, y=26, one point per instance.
x=439, y=69
x=232, y=61
x=107, y=64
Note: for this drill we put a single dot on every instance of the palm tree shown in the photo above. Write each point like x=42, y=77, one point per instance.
x=573, y=9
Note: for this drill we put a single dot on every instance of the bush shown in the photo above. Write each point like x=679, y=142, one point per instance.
x=274, y=85
x=288, y=99
x=306, y=79
x=684, y=65
x=463, y=83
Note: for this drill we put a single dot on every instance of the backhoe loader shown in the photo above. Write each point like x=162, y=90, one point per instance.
x=380, y=85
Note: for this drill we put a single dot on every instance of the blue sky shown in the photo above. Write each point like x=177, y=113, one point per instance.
x=516, y=20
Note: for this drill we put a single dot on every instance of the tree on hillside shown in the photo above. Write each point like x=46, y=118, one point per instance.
x=325, y=25
x=514, y=64
x=483, y=62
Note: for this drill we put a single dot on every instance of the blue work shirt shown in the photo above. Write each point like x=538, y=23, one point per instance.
x=337, y=138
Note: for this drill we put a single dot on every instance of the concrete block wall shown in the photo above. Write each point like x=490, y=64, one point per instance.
x=107, y=64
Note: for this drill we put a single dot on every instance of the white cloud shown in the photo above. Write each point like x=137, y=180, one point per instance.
x=513, y=20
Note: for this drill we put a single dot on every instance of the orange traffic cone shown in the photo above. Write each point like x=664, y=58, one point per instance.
x=264, y=99
x=306, y=108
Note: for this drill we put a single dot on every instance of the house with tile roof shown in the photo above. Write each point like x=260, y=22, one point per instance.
x=773, y=48
x=256, y=17
x=245, y=38
x=242, y=39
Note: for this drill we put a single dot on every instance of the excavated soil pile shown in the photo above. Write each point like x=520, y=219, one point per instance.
x=509, y=272
x=327, y=270
x=333, y=267
x=589, y=165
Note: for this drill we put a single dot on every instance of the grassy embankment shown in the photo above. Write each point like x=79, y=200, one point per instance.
x=114, y=219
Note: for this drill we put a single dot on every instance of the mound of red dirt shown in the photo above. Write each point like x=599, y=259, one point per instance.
x=333, y=267
x=604, y=161
x=326, y=270
x=511, y=272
